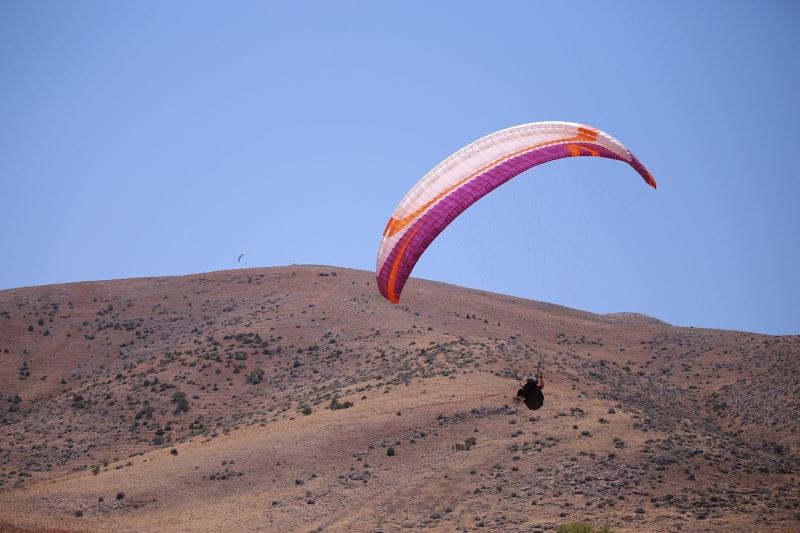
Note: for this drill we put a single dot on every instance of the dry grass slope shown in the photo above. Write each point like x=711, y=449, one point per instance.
x=269, y=399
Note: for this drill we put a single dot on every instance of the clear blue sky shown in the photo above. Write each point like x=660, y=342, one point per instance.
x=157, y=138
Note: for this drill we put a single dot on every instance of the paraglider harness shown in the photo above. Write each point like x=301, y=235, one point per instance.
x=531, y=392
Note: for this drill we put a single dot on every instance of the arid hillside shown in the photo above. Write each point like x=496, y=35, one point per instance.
x=297, y=399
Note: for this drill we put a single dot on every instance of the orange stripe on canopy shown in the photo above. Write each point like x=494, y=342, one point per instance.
x=390, y=292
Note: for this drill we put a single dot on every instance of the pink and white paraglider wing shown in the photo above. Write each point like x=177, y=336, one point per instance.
x=471, y=173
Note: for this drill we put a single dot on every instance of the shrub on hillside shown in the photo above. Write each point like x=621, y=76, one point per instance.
x=577, y=527
x=469, y=442
x=255, y=377
x=181, y=404
x=335, y=404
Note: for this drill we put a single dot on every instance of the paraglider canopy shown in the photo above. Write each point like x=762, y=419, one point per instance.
x=471, y=173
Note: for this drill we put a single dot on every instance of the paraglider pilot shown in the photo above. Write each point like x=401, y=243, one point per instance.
x=531, y=393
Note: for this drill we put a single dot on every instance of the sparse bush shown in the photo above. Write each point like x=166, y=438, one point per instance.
x=24, y=371
x=335, y=405
x=306, y=410
x=468, y=443
x=255, y=377
x=181, y=404
x=120, y=495
x=390, y=452
x=225, y=474
x=577, y=527
x=146, y=412
x=78, y=402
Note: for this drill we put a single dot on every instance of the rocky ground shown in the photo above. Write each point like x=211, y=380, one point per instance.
x=296, y=398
